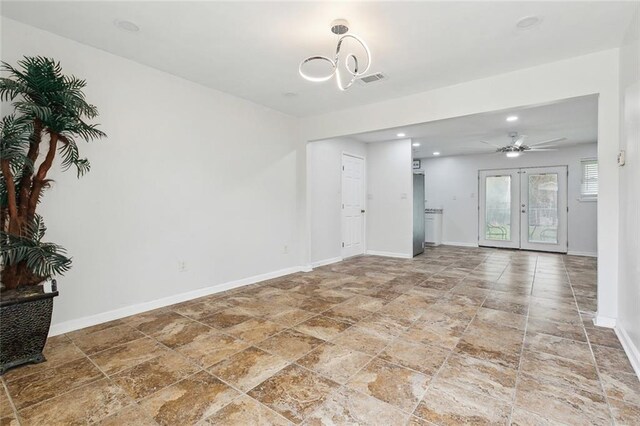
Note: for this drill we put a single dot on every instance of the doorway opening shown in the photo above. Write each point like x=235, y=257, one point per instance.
x=524, y=208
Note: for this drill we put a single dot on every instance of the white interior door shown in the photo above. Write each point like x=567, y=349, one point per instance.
x=498, y=213
x=543, y=209
x=352, y=205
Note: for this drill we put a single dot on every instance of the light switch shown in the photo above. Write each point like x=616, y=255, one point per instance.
x=621, y=158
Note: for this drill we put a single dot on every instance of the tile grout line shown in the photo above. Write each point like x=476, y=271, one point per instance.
x=200, y=370
x=72, y=389
x=341, y=385
x=435, y=376
x=373, y=357
x=109, y=378
x=524, y=338
x=595, y=362
x=254, y=344
x=290, y=363
x=10, y=398
x=395, y=338
x=145, y=335
x=451, y=351
x=295, y=362
x=411, y=414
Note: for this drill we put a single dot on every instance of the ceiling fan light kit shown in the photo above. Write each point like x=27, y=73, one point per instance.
x=355, y=67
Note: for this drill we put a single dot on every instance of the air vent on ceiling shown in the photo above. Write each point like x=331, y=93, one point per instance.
x=372, y=78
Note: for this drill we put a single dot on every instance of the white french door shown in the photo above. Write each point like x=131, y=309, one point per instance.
x=543, y=209
x=352, y=205
x=498, y=213
x=524, y=208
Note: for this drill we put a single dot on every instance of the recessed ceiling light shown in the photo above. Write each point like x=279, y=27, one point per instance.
x=415, y=144
x=436, y=153
x=513, y=154
x=126, y=25
x=401, y=135
x=528, y=22
x=512, y=118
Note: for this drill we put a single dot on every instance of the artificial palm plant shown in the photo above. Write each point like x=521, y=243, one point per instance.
x=49, y=113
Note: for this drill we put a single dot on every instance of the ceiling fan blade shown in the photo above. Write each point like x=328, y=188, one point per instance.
x=540, y=149
x=542, y=146
x=519, y=141
x=491, y=144
x=547, y=141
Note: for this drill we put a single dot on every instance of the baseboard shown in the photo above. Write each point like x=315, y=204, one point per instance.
x=607, y=322
x=633, y=353
x=389, y=254
x=453, y=243
x=582, y=253
x=88, y=321
x=324, y=262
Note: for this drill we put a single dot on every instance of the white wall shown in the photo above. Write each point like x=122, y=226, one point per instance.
x=388, y=180
x=325, y=195
x=187, y=174
x=452, y=183
x=629, y=293
x=390, y=198
x=584, y=75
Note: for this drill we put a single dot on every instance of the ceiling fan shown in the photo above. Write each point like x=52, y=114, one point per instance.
x=518, y=146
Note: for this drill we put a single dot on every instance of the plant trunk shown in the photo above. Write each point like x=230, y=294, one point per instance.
x=22, y=205
x=28, y=170
x=39, y=179
x=11, y=197
x=18, y=275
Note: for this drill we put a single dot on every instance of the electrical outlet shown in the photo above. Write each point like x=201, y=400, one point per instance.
x=285, y=249
x=182, y=266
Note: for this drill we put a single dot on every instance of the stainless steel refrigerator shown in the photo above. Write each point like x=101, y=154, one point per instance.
x=418, y=214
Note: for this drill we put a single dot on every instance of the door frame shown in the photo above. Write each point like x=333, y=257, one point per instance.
x=519, y=217
x=364, y=202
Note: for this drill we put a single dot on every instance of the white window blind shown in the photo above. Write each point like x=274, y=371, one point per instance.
x=589, y=188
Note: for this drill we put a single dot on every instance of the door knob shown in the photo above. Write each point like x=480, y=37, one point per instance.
x=361, y=211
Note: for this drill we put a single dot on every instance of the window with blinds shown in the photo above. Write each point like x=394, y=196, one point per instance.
x=589, y=187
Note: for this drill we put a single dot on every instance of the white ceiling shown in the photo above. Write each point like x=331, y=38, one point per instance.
x=252, y=49
x=574, y=119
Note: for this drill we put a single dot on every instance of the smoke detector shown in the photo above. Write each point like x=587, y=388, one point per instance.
x=126, y=25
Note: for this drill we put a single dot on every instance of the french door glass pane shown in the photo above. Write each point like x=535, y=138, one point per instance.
x=498, y=208
x=543, y=208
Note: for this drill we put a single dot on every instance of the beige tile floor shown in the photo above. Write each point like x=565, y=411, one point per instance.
x=455, y=336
